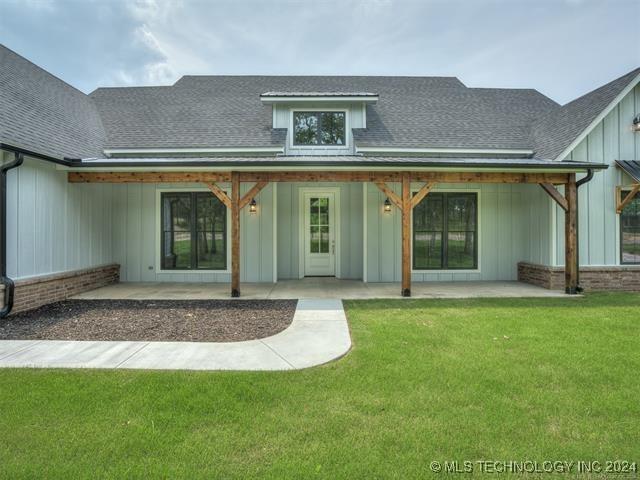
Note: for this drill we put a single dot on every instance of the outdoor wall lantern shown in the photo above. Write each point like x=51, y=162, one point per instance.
x=253, y=206
x=636, y=124
x=387, y=205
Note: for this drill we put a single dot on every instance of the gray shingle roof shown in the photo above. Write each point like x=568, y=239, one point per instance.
x=554, y=132
x=43, y=114
x=225, y=111
x=454, y=117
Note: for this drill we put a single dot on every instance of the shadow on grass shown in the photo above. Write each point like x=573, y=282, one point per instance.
x=589, y=300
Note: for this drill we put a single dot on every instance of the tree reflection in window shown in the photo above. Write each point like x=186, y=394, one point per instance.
x=193, y=231
x=319, y=128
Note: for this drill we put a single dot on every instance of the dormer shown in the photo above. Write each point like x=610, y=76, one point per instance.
x=319, y=123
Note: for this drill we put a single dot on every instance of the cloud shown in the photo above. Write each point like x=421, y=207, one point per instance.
x=507, y=43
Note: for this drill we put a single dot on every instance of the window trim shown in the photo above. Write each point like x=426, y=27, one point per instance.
x=623, y=191
x=347, y=130
x=158, y=229
x=451, y=271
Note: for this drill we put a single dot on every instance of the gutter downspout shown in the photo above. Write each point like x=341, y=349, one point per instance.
x=9, y=286
x=579, y=183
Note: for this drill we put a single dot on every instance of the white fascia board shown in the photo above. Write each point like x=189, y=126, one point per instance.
x=125, y=151
x=490, y=151
x=309, y=99
x=599, y=118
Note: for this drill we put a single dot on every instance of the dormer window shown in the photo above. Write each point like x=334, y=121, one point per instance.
x=319, y=128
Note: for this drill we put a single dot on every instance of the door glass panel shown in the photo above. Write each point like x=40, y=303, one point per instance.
x=314, y=243
x=319, y=225
x=324, y=239
x=324, y=211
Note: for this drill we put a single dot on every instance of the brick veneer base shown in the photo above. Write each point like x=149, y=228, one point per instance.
x=626, y=278
x=36, y=291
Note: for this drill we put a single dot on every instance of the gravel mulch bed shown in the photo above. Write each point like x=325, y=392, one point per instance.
x=151, y=320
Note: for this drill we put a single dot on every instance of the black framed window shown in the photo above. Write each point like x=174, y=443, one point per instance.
x=445, y=232
x=194, y=231
x=630, y=231
x=319, y=128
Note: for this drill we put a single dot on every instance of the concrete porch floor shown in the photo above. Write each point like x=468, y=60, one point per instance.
x=319, y=287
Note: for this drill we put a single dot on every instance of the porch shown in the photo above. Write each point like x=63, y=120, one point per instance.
x=319, y=287
x=377, y=246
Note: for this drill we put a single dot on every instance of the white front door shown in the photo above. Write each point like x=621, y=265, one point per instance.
x=319, y=234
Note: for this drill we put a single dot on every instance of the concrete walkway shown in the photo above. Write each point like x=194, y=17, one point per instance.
x=318, y=334
x=315, y=287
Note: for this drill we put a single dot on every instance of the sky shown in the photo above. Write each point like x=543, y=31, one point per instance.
x=564, y=48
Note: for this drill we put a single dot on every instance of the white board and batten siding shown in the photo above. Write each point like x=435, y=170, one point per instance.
x=54, y=226
x=612, y=139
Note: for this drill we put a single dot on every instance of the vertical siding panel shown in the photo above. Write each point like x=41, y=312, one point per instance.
x=356, y=245
x=13, y=221
x=265, y=200
x=490, y=232
x=593, y=212
x=134, y=231
x=119, y=230
x=373, y=236
x=58, y=239
x=627, y=136
x=284, y=230
x=611, y=152
x=147, y=248
x=27, y=214
x=518, y=230
x=504, y=251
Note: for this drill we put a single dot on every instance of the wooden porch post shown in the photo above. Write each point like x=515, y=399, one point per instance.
x=571, y=237
x=406, y=235
x=235, y=234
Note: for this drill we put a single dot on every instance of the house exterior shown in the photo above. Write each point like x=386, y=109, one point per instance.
x=262, y=178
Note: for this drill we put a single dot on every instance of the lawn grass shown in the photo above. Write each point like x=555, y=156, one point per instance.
x=496, y=379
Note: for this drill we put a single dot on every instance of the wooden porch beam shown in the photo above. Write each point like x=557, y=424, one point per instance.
x=148, y=177
x=221, y=194
x=391, y=195
x=235, y=234
x=556, y=195
x=420, y=194
x=571, y=237
x=621, y=203
x=317, y=176
x=385, y=177
x=244, y=201
x=406, y=235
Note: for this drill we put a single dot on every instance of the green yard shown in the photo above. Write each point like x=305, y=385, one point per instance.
x=508, y=379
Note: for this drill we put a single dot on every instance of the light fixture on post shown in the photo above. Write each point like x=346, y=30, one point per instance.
x=636, y=124
x=387, y=205
x=253, y=206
